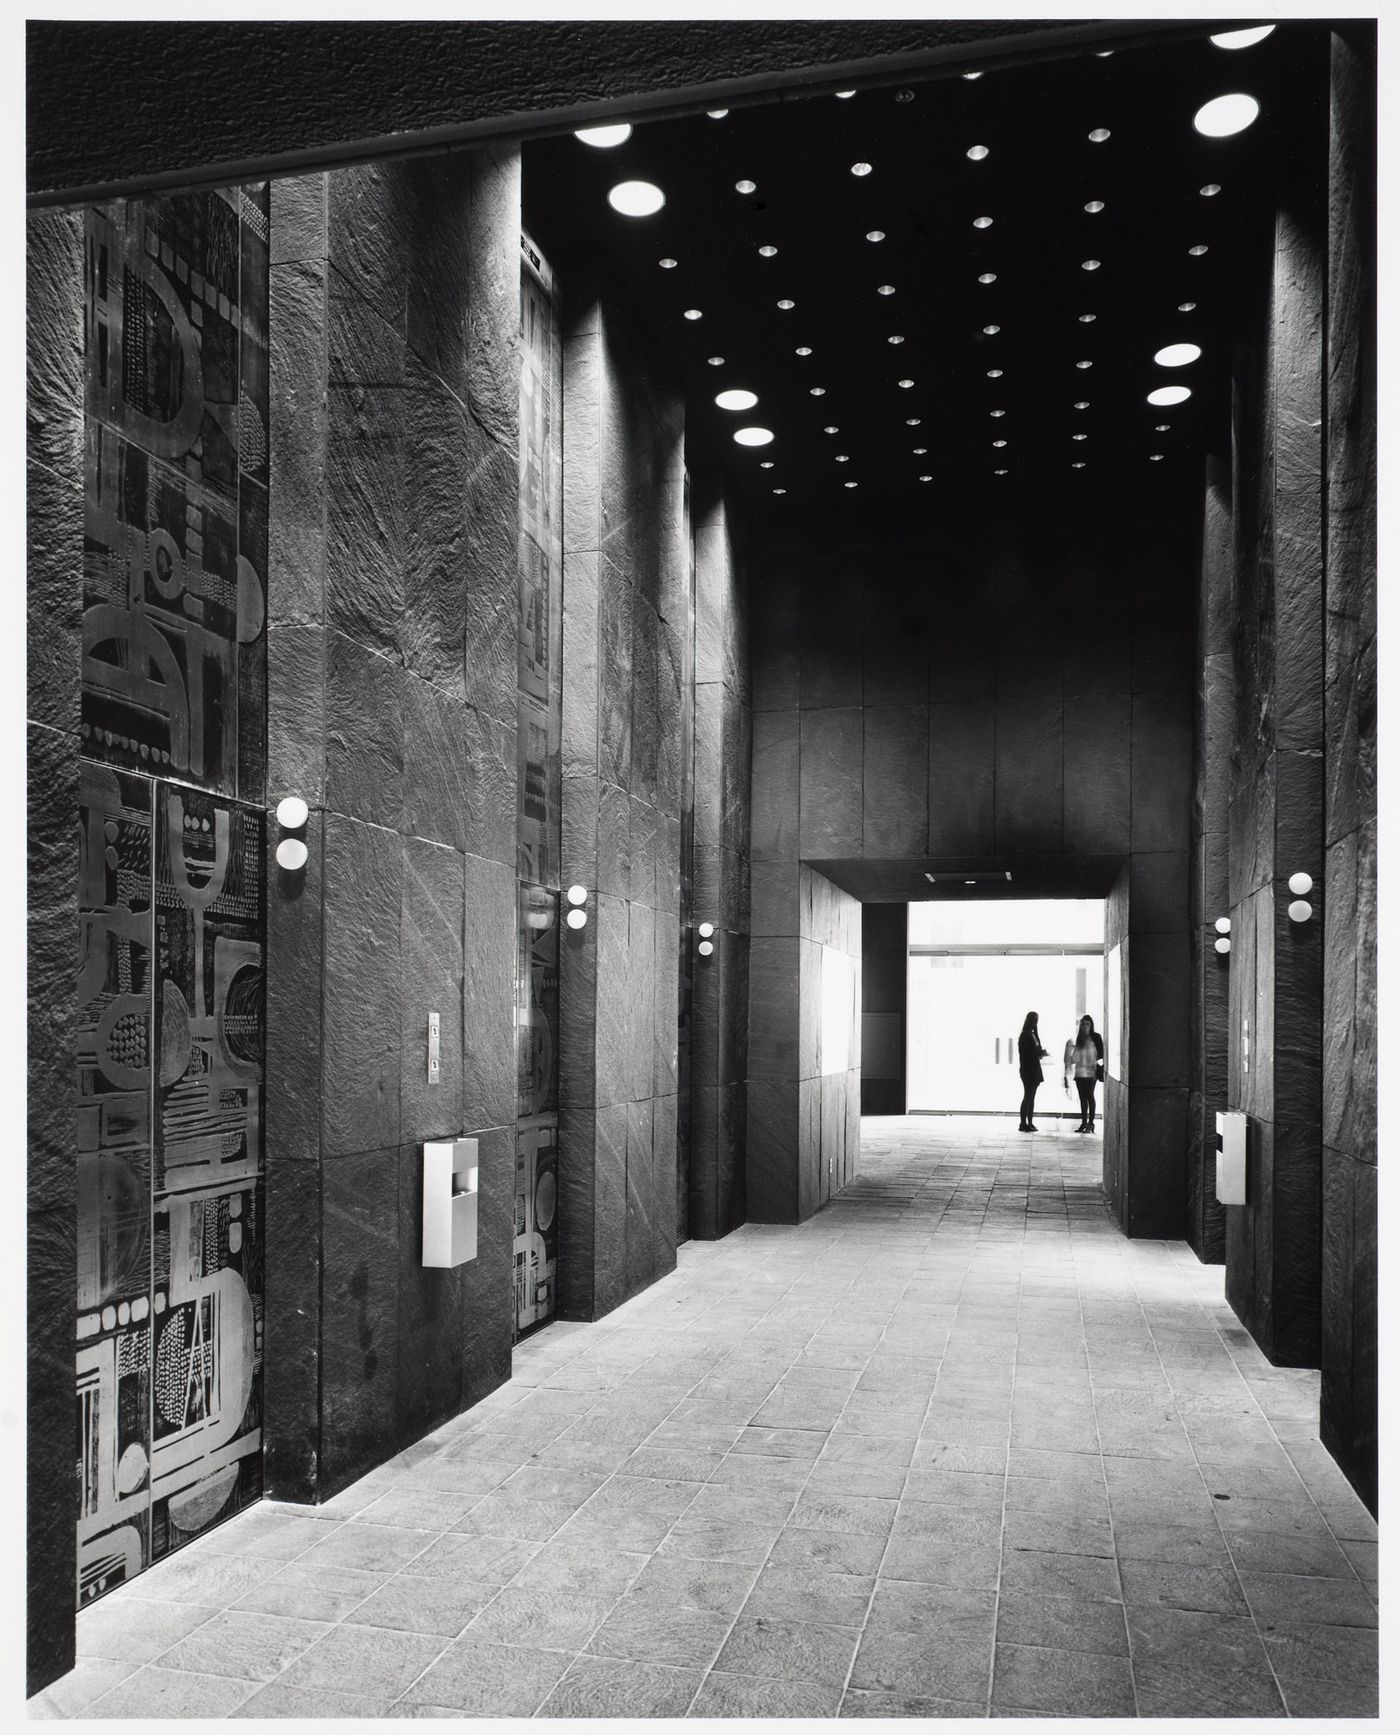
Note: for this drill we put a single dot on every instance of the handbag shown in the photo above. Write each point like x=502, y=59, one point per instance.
x=1098, y=1072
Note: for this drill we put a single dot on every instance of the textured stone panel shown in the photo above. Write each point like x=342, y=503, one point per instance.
x=663, y=1171
x=882, y=1045
x=364, y=733
x=365, y=494
x=775, y=901
x=493, y=293
x=297, y=226
x=1030, y=767
x=643, y=1197
x=610, y=1208
x=647, y=722
x=432, y=632
x=809, y=1147
x=296, y=712
x=775, y=786
x=488, y=1290
x=809, y=1008
x=492, y=581
x=576, y=1212
x=613, y=1026
x=775, y=605
x=614, y=868
x=1161, y=770
x=830, y=783
x=1158, y=889
x=895, y=781
x=432, y=963
x=1296, y=1244
x=774, y=987
x=771, y=1152
x=1097, y=773
x=894, y=651
x=1363, y=1140
x=293, y=1005
x=961, y=777
x=360, y=1305
x=706, y=1107
x=734, y=1009
x=363, y=348
x=488, y=993
x=732, y=1202
x=491, y=782
x=363, y=987
x=292, y=1287
x=580, y=687
x=1361, y=1461
x=297, y=431
x=366, y=241
x=615, y=619
x=735, y=774
x=583, y=385
x=831, y=627
x=665, y=1007
x=436, y=776
x=640, y=1001
x=1156, y=1158
x=440, y=241
x=430, y=1334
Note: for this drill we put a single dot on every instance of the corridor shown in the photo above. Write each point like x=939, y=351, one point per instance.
x=953, y=1447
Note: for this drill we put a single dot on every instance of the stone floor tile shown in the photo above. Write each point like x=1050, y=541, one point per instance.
x=156, y=1692
x=615, y=1687
x=789, y=1650
x=724, y=1695
x=1042, y=1574
x=1291, y=1598
x=1307, y=1697
x=493, y=1559
x=781, y=1442
x=423, y=1605
x=891, y=1660
x=545, y=1620
x=799, y=1594
x=652, y=1631
x=70, y=1694
x=279, y=1700
x=861, y=1702
x=370, y=1547
x=1318, y=1652
x=1199, y=1665
x=250, y=1647
x=311, y=1591
x=720, y=1539
x=364, y=1660
x=477, y=1679
x=827, y=1550
x=1061, y=1623
x=1196, y=1589
x=430, y=1509
x=715, y=1586
x=724, y=1503
x=124, y=1630
x=211, y=1581
x=1061, y=1683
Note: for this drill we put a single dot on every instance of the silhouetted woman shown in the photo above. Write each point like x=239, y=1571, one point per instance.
x=1084, y=1063
x=1030, y=1054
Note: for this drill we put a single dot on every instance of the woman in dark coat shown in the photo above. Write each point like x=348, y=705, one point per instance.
x=1030, y=1054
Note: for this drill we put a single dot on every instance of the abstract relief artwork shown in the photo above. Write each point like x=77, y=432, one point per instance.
x=170, y=973
x=537, y=833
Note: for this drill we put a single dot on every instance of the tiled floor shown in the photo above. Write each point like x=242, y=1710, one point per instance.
x=954, y=1447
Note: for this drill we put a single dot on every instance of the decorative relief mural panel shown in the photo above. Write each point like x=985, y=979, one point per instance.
x=170, y=1069
x=539, y=717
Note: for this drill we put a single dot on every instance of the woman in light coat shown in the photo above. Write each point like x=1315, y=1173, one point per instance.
x=1084, y=1064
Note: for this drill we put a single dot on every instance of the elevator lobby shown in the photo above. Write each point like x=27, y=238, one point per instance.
x=595, y=647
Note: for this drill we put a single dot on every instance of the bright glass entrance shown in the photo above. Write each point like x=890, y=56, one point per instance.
x=975, y=970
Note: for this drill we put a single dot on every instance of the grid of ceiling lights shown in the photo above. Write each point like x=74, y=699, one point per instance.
x=1222, y=117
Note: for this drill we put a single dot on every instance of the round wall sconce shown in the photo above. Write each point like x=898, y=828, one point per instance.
x=1300, y=884
x=1222, y=924
x=1222, y=945
x=291, y=854
x=292, y=813
x=577, y=895
x=705, y=948
x=706, y=930
x=577, y=919
x=577, y=916
x=1300, y=910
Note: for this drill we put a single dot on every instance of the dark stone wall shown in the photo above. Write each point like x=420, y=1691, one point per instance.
x=884, y=995
x=54, y=482
x=721, y=893
x=393, y=712
x=803, y=1111
x=1276, y=799
x=626, y=611
x=1010, y=689
x=1210, y=866
x=1349, y=1234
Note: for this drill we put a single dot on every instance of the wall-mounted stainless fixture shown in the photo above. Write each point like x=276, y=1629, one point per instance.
x=707, y=944
x=449, y=1202
x=292, y=815
x=1231, y=1157
x=1300, y=910
x=1222, y=928
x=577, y=897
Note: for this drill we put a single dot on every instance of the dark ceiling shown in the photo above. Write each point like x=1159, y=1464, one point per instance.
x=924, y=194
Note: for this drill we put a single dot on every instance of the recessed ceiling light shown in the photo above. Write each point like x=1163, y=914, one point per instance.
x=1177, y=354
x=1103, y=54
x=996, y=412
x=844, y=94
x=1089, y=264
x=1163, y=428
x=636, y=198
x=1002, y=472
x=754, y=436
x=604, y=138
x=766, y=464
x=998, y=442
x=1210, y=189
x=780, y=490
x=1087, y=318
x=1165, y=395
x=920, y=451
x=906, y=384
x=667, y=264
x=894, y=340
x=994, y=373
x=693, y=313
x=1186, y=307
x=972, y=75
x=745, y=186
x=1082, y=364
x=987, y=277
x=990, y=330
x=981, y=222
x=1083, y=404
x=885, y=289
x=1078, y=464
x=926, y=478
x=1242, y=38
x=716, y=113
x=736, y=398
x=1156, y=457
x=911, y=421
x=1094, y=207
x=843, y=458
x=875, y=234
x=766, y=252
x=1226, y=115
x=786, y=304
x=978, y=153
x=803, y=349
x=1198, y=250
x=715, y=360
x=1099, y=134
x=831, y=430
x=853, y=484
x=1079, y=436
x=860, y=168
x=818, y=391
